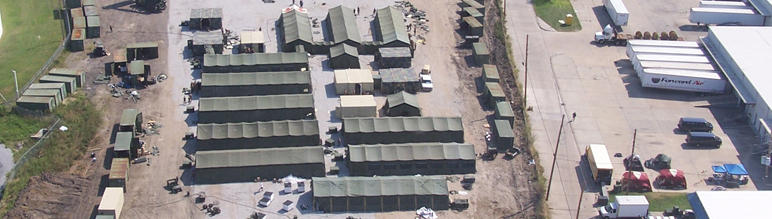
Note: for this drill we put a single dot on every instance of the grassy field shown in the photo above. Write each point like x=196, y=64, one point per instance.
x=553, y=10
x=30, y=36
x=61, y=149
x=659, y=201
x=18, y=129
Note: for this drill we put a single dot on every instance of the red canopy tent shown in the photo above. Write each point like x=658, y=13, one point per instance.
x=671, y=178
x=636, y=181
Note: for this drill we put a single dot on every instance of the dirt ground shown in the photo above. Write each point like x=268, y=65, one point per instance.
x=503, y=188
x=52, y=202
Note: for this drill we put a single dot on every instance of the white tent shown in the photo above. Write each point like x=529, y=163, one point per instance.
x=356, y=106
x=349, y=81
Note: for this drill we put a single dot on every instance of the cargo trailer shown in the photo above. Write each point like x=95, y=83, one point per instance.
x=673, y=65
x=669, y=58
x=744, y=17
x=724, y=4
x=664, y=43
x=684, y=80
x=617, y=11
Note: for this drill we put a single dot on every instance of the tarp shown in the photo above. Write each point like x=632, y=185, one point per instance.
x=411, y=152
x=296, y=26
x=259, y=157
x=392, y=26
x=403, y=130
x=735, y=169
x=379, y=186
x=343, y=25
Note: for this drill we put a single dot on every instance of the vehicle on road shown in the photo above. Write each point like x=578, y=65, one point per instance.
x=694, y=124
x=600, y=163
x=626, y=207
x=426, y=82
x=703, y=139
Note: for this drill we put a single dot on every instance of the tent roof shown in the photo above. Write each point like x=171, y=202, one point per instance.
x=392, y=25
x=357, y=101
x=57, y=78
x=402, y=98
x=411, y=151
x=129, y=116
x=207, y=38
x=297, y=26
x=251, y=37
x=504, y=109
x=735, y=169
x=34, y=99
x=111, y=199
x=379, y=186
x=402, y=124
x=353, y=76
x=503, y=128
x=259, y=157
x=480, y=48
x=494, y=89
x=249, y=59
x=288, y=101
x=137, y=67
x=343, y=24
x=343, y=48
x=258, y=129
x=200, y=13
x=392, y=75
x=256, y=78
x=395, y=52
x=142, y=45
x=123, y=141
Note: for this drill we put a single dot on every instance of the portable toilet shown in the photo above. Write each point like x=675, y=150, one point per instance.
x=287, y=188
x=301, y=186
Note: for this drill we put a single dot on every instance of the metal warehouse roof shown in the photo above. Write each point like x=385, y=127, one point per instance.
x=343, y=24
x=129, y=116
x=402, y=124
x=411, y=151
x=259, y=157
x=357, y=101
x=202, y=13
x=255, y=59
x=379, y=186
x=665, y=43
x=392, y=25
x=252, y=37
x=297, y=26
x=142, y=45
x=392, y=75
x=258, y=129
x=207, y=38
x=726, y=204
x=341, y=49
x=354, y=76
x=256, y=78
x=394, y=52
x=402, y=98
x=256, y=102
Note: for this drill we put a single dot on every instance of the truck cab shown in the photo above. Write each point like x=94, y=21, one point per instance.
x=626, y=207
x=606, y=35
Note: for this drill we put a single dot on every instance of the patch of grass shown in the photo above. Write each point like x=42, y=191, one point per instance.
x=553, y=10
x=61, y=149
x=20, y=47
x=17, y=129
x=500, y=32
x=659, y=201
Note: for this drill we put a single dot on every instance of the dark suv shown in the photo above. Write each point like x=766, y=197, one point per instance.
x=703, y=139
x=695, y=125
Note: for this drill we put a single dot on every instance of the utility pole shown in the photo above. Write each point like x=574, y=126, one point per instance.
x=555, y=158
x=17, y=83
x=525, y=87
x=630, y=165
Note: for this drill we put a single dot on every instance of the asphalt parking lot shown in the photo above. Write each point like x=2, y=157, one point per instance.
x=568, y=73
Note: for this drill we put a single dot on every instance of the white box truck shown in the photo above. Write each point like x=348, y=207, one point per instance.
x=600, y=163
x=617, y=11
x=683, y=80
x=744, y=17
x=634, y=206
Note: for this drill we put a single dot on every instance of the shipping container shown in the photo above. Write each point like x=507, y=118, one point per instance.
x=112, y=202
x=56, y=86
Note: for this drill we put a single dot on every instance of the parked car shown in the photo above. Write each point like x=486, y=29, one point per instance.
x=426, y=82
x=695, y=124
x=703, y=139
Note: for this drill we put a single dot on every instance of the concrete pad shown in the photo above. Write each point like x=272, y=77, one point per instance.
x=571, y=85
x=610, y=113
x=650, y=126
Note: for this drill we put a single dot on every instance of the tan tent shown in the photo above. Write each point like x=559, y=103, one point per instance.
x=356, y=106
x=350, y=81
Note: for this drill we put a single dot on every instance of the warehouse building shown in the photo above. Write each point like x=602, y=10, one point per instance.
x=296, y=30
x=411, y=159
x=205, y=19
x=394, y=80
x=342, y=25
x=738, y=51
x=727, y=204
x=230, y=166
x=231, y=136
x=394, y=57
x=380, y=194
x=255, y=62
x=402, y=104
x=255, y=108
x=203, y=41
x=353, y=81
x=391, y=30
x=36, y=103
x=393, y=130
x=255, y=83
x=356, y=106
x=344, y=56
x=252, y=42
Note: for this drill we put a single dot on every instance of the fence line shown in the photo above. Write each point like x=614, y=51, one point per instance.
x=31, y=152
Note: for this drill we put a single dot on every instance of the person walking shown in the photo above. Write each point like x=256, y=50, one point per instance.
x=573, y=117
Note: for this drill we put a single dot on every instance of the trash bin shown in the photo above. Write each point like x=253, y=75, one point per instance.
x=569, y=19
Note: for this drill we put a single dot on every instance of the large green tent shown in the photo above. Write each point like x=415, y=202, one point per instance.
x=258, y=135
x=255, y=83
x=377, y=194
x=228, y=166
x=402, y=104
x=342, y=25
x=255, y=108
x=296, y=30
x=392, y=130
x=391, y=28
x=255, y=62
x=411, y=159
